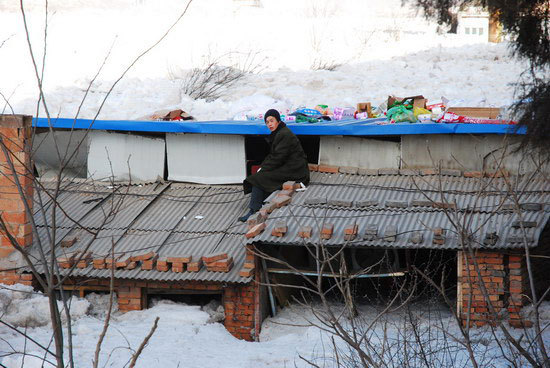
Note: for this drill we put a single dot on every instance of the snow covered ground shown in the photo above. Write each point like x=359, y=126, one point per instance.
x=187, y=337
x=380, y=47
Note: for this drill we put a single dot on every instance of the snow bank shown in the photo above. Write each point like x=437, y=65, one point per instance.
x=23, y=307
x=381, y=49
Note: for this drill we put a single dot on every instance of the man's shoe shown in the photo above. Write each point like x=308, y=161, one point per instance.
x=245, y=217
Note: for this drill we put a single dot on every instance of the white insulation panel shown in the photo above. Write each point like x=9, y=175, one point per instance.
x=206, y=158
x=125, y=157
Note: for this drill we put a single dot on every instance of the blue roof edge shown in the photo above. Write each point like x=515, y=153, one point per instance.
x=367, y=127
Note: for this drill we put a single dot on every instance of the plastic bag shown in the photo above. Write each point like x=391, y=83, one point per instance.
x=420, y=111
x=400, y=113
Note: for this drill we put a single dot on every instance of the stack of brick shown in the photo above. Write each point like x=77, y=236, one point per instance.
x=219, y=262
x=371, y=232
x=279, y=229
x=326, y=231
x=15, y=135
x=256, y=223
x=491, y=274
x=249, y=264
x=179, y=262
x=305, y=232
x=350, y=232
x=439, y=236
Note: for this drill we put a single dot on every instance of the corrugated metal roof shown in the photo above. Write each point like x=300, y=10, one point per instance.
x=406, y=202
x=176, y=219
x=481, y=194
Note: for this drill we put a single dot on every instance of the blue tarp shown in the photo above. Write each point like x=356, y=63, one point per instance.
x=367, y=127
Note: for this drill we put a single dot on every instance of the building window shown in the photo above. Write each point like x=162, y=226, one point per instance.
x=474, y=30
x=467, y=30
x=480, y=31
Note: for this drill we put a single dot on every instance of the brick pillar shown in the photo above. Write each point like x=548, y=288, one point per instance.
x=471, y=301
x=240, y=311
x=15, y=136
x=131, y=298
x=517, y=286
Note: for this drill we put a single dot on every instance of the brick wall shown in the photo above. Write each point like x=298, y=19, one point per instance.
x=241, y=311
x=15, y=135
x=504, y=279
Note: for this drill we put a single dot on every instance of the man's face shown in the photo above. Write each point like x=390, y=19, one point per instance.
x=271, y=123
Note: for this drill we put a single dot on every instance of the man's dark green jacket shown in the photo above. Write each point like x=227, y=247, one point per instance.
x=286, y=161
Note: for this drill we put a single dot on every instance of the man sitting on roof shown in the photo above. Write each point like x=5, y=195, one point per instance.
x=286, y=161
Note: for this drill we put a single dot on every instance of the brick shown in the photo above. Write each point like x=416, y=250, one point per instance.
x=194, y=266
x=246, y=272
x=143, y=256
x=429, y=171
x=178, y=267
x=416, y=237
x=340, y=202
x=248, y=265
x=27, y=276
x=256, y=230
x=473, y=174
x=397, y=204
x=348, y=170
x=531, y=206
x=421, y=203
x=315, y=200
x=179, y=259
x=214, y=257
x=351, y=229
x=327, y=229
x=438, y=241
x=256, y=219
x=521, y=323
x=149, y=264
x=123, y=262
x=281, y=201
x=305, y=232
x=67, y=243
x=289, y=185
x=388, y=171
x=328, y=169
x=220, y=263
x=131, y=265
x=497, y=174
x=366, y=203
x=313, y=167
x=408, y=172
x=444, y=205
x=527, y=224
x=162, y=266
x=450, y=172
x=367, y=172
x=279, y=229
x=285, y=192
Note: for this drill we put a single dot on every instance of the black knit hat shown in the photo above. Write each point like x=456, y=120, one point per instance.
x=274, y=113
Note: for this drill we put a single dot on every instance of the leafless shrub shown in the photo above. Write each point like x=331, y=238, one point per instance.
x=218, y=74
x=322, y=64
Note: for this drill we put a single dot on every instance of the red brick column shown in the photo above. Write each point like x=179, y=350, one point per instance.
x=240, y=308
x=517, y=286
x=131, y=298
x=490, y=272
x=15, y=134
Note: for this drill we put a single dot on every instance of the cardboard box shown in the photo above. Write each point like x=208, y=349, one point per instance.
x=476, y=112
x=418, y=101
x=365, y=107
